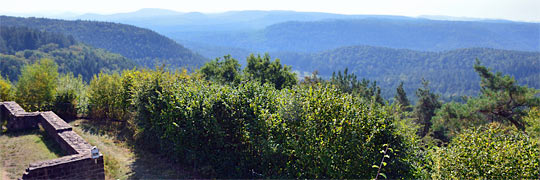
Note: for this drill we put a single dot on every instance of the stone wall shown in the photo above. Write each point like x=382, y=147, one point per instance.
x=17, y=118
x=78, y=164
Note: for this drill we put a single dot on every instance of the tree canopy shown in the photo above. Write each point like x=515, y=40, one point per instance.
x=37, y=83
x=264, y=70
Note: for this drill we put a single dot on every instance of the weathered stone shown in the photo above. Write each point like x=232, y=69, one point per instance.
x=52, y=123
x=17, y=118
x=13, y=108
x=76, y=142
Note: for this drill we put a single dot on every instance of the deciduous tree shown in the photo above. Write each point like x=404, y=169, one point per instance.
x=37, y=83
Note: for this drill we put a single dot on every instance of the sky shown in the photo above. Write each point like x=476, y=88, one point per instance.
x=517, y=10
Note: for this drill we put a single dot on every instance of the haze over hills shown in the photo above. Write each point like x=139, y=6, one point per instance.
x=168, y=21
x=144, y=46
x=388, y=49
x=330, y=42
x=276, y=31
x=255, y=94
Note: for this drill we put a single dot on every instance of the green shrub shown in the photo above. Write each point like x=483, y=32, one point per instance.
x=264, y=70
x=71, y=97
x=256, y=131
x=6, y=89
x=533, y=119
x=104, y=97
x=489, y=153
x=224, y=71
x=36, y=87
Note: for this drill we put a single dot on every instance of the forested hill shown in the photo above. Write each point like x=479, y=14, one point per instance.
x=144, y=46
x=21, y=45
x=413, y=33
x=450, y=72
x=417, y=34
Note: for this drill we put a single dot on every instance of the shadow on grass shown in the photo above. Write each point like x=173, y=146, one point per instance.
x=52, y=145
x=152, y=166
x=117, y=129
x=20, y=133
x=144, y=164
x=49, y=142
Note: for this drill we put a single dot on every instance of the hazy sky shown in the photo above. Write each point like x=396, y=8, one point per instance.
x=521, y=10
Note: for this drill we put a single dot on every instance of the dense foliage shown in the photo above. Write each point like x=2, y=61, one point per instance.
x=37, y=84
x=259, y=122
x=425, y=108
x=491, y=152
x=257, y=131
x=225, y=71
x=501, y=100
x=349, y=83
x=264, y=70
x=533, y=119
x=141, y=45
x=316, y=129
x=260, y=69
x=6, y=89
x=401, y=98
x=504, y=100
x=104, y=97
x=71, y=98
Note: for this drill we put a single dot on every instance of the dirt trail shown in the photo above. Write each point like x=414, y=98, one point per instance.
x=3, y=174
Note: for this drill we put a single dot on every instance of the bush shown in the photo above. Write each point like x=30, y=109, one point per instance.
x=263, y=70
x=36, y=87
x=224, y=71
x=254, y=131
x=533, y=119
x=6, y=89
x=71, y=97
x=105, y=97
x=489, y=153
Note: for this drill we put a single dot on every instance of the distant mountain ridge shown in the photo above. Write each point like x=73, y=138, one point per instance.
x=290, y=31
x=144, y=46
x=168, y=21
x=388, y=49
x=415, y=34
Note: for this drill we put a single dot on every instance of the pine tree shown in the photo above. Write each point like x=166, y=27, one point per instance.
x=502, y=99
x=401, y=98
x=425, y=108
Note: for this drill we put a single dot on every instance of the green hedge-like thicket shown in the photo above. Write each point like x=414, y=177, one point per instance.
x=489, y=152
x=253, y=130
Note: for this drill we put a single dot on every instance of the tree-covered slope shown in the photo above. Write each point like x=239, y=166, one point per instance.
x=144, y=46
x=450, y=72
x=415, y=34
x=418, y=34
x=21, y=45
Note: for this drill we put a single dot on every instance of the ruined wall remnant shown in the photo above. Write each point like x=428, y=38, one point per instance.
x=78, y=164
